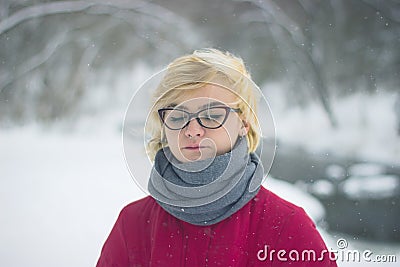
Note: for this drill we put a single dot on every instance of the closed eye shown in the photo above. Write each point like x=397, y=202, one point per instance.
x=212, y=117
x=176, y=119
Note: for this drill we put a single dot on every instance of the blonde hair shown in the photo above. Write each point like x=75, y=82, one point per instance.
x=193, y=71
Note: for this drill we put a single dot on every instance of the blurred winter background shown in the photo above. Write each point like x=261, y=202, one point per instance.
x=68, y=69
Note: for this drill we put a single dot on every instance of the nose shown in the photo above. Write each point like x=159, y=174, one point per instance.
x=194, y=129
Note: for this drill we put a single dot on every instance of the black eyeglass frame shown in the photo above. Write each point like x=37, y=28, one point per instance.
x=161, y=114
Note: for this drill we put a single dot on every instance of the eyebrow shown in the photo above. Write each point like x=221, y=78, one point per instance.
x=208, y=105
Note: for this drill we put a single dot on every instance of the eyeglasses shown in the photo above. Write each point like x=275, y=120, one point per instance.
x=210, y=118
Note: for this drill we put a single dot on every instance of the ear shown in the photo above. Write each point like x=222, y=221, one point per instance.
x=245, y=128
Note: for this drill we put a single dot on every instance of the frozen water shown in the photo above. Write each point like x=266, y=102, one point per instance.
x=367, y=187
x=322, y=188
x=366, y=169
x=335, y=172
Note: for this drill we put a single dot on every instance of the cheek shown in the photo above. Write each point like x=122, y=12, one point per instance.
x=232, y=129
x=169, y=136
x=173, y=137
x=226, y=136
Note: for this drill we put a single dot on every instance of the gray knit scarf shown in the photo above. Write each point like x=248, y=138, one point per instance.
x=206, y=192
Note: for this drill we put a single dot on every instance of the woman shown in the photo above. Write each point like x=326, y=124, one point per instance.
x=206, y=205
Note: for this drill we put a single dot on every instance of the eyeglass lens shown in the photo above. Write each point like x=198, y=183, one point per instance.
x=209, y=118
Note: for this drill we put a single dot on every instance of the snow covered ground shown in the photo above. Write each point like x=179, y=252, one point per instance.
x=61, y=193
x=61, y=188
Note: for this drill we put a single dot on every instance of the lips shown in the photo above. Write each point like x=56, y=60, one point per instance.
x=194, y=147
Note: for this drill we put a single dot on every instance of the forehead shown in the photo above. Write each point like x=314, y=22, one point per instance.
x=197, y=98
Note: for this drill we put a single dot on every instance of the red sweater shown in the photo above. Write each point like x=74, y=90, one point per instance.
x=146, y=235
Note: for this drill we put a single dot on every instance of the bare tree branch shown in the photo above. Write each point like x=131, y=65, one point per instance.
x=119, y=9
x=270, y=9
x=34, y=62
x=390, y=10
x=52, y=8
x=41, y=10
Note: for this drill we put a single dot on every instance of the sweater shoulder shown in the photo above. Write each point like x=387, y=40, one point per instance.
x=279, y=219
x=141, y=208
x=276, y=205
x=140, y=203
x=278, y=212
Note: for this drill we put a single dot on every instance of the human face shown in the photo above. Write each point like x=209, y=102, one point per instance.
x=195, y=142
